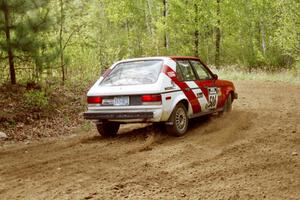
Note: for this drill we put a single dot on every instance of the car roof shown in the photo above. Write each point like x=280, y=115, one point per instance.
x=145, y=58
x=184, y=57
x=160, y=58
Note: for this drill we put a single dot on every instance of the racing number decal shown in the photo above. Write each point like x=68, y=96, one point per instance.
x=212, y=97
x=196, y=97
x=212, y=102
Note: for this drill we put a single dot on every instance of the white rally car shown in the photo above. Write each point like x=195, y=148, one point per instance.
x=157, y=89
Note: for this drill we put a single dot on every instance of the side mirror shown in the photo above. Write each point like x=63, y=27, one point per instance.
x=215, y=77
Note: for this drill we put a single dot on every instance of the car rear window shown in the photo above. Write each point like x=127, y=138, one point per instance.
x=133, y=73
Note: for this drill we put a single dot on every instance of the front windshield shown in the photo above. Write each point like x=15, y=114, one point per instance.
x=134, y=73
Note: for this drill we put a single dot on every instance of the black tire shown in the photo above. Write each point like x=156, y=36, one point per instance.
x=228, y=104
x=179, y=120
x=108, y=129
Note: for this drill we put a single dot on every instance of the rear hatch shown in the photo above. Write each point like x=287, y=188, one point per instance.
x=128, y=83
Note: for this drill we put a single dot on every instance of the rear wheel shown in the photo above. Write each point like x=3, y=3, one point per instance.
x=179, y=120
x=108, y=129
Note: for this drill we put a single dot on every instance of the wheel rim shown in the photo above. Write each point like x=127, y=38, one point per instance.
x=180, y=119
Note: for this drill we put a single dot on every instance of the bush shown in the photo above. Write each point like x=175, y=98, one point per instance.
x=36, y=99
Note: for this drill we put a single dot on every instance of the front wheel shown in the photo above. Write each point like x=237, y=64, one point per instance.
x=179, y=121
x=228, y=105
x=108, y=129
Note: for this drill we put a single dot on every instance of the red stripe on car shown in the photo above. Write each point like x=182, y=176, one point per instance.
x=184, y=88
x=201, y=85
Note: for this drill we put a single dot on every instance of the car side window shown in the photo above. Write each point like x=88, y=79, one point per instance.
x=202, y=72
x=185, y=70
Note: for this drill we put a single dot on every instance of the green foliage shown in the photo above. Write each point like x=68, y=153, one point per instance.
x=21, y=23
x=84, y=36
x=233, y=73
x=36, y=99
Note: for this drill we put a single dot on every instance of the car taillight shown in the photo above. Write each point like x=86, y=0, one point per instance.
x=94, y=100
x=151, y=99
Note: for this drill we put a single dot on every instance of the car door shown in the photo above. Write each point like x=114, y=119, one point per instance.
x=187, y=77
x=206, y=83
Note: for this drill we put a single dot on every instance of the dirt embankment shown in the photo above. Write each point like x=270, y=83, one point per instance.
x=30, y=112
x=251, y=154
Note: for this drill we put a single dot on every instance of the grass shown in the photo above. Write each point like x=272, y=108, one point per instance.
x=286, y=76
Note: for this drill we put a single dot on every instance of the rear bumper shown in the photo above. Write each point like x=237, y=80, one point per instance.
x=125, y=114
x=112, y=116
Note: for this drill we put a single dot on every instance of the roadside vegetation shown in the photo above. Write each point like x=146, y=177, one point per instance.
x=284, y=76
x=52, y=51
x=32, y=113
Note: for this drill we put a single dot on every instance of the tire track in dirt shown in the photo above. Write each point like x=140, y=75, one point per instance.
x=245, y=155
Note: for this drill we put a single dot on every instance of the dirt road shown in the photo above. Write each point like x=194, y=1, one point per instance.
x=254, y=153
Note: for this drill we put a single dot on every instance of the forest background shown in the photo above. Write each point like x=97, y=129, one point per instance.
x=59, y=40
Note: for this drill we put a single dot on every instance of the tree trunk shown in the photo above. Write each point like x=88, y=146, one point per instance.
x=263, y=37
x=129, y=49
x=165, y=14
x=9, y=48
x=62, y=64
x=218, y=35
x=148, y=17
x=196, y=33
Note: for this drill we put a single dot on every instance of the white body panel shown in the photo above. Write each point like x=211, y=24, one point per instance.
x=170, y=92
x=160, y=112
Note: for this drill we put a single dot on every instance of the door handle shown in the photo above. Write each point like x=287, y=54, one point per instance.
x=187, y=89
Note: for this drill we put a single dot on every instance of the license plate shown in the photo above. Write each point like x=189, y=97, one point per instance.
x=108, y=102
x=121, y=101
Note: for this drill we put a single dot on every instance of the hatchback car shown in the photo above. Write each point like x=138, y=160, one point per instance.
x=157, y=89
